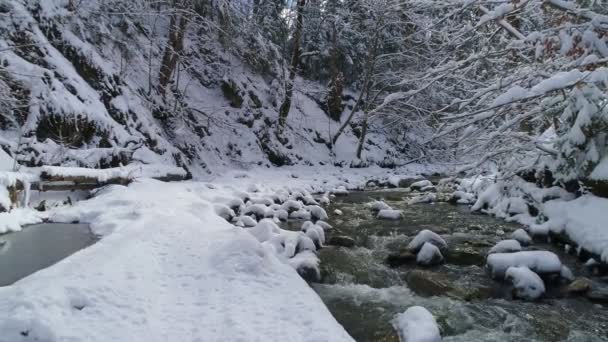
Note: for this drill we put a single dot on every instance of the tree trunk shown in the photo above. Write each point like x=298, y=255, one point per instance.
x=174, y=47
x=336, y=84
x=363, y=134
x=370, y=67
x=295, y=60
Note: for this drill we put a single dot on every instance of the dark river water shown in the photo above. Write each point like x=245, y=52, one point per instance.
x=39, y=246
x=365, y=294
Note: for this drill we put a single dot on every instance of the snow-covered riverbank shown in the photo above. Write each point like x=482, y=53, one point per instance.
x=170, y=268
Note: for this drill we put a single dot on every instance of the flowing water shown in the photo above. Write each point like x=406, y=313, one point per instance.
x=365, y=294
x=39, y=246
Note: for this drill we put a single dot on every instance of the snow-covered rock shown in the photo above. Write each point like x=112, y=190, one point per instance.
x=417, y=324
x=317, y=213
x=429, y=255
x=259, y=210
x=506, y=246
x=338, y=212
x=378, y=205
x=315, y=232
x=340, y=191
x=307, y=265
x=390, y=214
x=462, y=197
x=291, y=205
x=426, y=198
x=419, y=185
x=246, y=221
x=541, y=262
x=425, y=236
x=224, y=211
x=527, y=284
x=301, y=214
x=521, y=236
x=324, y=225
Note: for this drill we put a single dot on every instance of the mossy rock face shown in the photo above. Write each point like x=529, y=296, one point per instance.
x=73, y=131
x=232, y=93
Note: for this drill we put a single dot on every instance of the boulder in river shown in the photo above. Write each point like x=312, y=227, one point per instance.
x=428, y=284
x=527, y=285
x=540, y=262
x=506, y=246
x=342, y=241
x=389, y=214
x=522, y=237
x=404, y=257
x=425, y=236
x=465, y=256
x=422, y=184
x=429, y=255
x=578, y=286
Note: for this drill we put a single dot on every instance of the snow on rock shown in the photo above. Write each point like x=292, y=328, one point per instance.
x=130, y=171
x=506, y=246
x=259, y=210
x=324, y=225
x=426, y=198
x=324, y=199
x=307, y=265
x=527, y=284
x=281, y=214
x=301, y=214
x=419, y=185
x=224, y=211
x=378, y=205
x=583, y=220
x=390, y=214
x=315, y=232
x=425, y=236
x=541, y=262
x=462, y=197
x=291, y=205
x=522, y=237
x=317, y=213
x=340, y=191
x=429, y=255
x=246, y=221
x=600, y=172
x=338, y=212
x=417, y=324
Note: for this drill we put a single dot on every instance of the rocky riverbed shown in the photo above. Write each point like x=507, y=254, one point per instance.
x=369, y=276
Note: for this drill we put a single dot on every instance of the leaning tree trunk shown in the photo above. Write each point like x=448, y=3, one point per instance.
x=369, y=71
x=174, y=47
x=363, y=134
x=295, y=60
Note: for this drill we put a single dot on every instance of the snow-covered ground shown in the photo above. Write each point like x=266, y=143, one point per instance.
x=168, y=267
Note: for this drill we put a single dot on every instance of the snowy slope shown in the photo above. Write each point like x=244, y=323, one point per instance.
x=85, y=82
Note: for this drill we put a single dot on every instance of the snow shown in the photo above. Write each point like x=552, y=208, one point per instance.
x=130, y=171
x=14, y=220
x=378, y=205
x=521, y=236
x=514, y=93
x=6, y=161
x=600, y=172
x=505, y=246
x=390, y=214
x=583, y=220
x=338, y=212
x=426, y=198
x=425, y=236
x=417, y=324
x=421, y=184
x=428, y=255
x=538, y=261
x=167, y=267
x=528, y=285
